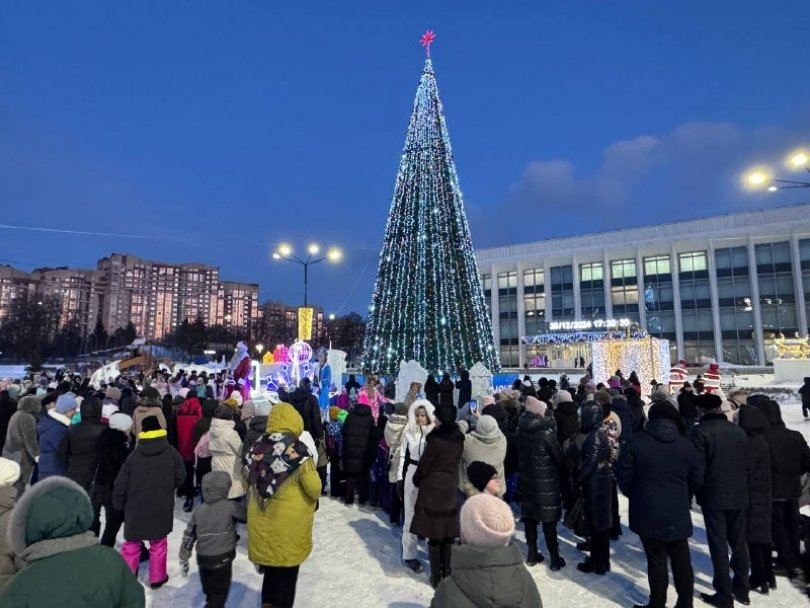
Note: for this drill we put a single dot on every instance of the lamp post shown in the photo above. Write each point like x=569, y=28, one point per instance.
x=285, y=252
x=762, y=177
x=259, y=349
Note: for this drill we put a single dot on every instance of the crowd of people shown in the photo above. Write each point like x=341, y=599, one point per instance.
x=448, y=467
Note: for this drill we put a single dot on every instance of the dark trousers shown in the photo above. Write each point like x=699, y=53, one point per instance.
x=567, y=489
x=616, y=530
x=278, y=586
x=805, y=409
x=357, y=482
x=113, y=519
x=761, y=563
x=675, y=552
x=726, y=528
x=187, y=490
x=337, y=484
x=216, y=584
x=785, y=527
x=322, y=475
x=549, y=533
x=600, y=548
x=395, y=511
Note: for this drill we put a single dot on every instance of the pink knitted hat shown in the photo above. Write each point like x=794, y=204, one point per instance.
x=486, y=521
x=535, y=406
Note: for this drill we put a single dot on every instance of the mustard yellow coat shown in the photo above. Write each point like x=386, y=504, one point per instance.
x=281, y=535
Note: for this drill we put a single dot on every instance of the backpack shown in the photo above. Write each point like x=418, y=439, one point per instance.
x=202, y=450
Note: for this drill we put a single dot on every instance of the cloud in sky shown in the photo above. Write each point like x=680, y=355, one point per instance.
x=692, y=171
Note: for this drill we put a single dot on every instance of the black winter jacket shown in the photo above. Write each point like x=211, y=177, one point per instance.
x=622, y=409
x=723, y=446
x=686, y=405
x=804, y=391
x=758, y=516
x=306, y=404
x=595, y=473
x=255, y=429
x=659, y=471
x=567, y=420
x=79, y=448
x=113, y=449
x=790, y=455
x=144, y=489
x=357, y=437
x=539, y=457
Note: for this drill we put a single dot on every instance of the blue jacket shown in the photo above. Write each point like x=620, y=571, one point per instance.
x=51, y=432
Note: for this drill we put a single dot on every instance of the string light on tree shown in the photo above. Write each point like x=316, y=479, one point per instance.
x=428, y=303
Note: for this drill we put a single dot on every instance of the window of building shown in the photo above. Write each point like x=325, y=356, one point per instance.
x=623, y=269
x=508, y=317
x=656, y=265
x=736, y=306
x=562, y=293
x=777, y=298
x=533, y=280
x=693, y=262
x=804, y=260
x=590, y=272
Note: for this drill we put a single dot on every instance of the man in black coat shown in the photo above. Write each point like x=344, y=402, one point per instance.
x=687, y=406
x=758, y=518
x=723, y=446
x=659, y=470
x=79, y=450
x=357, y=436
x=790, y=458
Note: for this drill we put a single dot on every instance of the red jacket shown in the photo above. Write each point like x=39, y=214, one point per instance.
x=187, y=416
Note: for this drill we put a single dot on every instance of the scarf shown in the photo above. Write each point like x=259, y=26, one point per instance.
x=271, y=461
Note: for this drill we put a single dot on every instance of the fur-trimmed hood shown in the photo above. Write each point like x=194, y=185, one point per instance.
x=53, y=516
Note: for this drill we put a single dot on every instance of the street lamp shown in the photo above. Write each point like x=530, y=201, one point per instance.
x=762, y=177
x=259, y=349
x=285, y=252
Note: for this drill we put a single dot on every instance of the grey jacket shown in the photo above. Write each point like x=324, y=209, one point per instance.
x=212, y=525
x=487, y=577
x=22, y=445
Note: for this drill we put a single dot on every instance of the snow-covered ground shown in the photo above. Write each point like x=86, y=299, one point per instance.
x=356, y=563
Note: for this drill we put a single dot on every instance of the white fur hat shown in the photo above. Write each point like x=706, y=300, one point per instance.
x=9, y=472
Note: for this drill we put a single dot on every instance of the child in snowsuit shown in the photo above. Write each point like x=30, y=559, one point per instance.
x=212, y=527
x=334, y=449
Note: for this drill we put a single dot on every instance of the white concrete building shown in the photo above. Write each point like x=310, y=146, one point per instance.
x=718, y=288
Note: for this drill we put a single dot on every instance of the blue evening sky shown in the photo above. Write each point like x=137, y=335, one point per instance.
x=218, y=129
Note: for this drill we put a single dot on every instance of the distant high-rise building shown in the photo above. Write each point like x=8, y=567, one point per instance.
x=81, y=293
x=13, y=284
x=240, y=305
x=154, y=296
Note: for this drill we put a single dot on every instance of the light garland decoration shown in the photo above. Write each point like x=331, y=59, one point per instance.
x=300, y=356
x=582, y=336
x=649, y=358
x=305, y=323
x=428, y=303
x=281, y=354
x=268, y=358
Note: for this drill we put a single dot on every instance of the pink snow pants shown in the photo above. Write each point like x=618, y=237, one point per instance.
x=158, y=549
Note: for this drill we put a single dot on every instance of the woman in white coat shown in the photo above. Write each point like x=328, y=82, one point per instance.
x=226, y=449
x=420, y=423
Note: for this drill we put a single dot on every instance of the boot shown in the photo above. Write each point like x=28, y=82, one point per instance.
x=447, y=551
x=414, y=564
x=189, y=504
x=534, y=557
x=435, y=558
x=556, y=562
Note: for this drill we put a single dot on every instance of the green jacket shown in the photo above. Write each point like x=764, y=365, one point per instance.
x=65, y=567
x=484, y=577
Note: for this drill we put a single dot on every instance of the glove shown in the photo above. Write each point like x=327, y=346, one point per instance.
x=401, y=489
x=184, y=567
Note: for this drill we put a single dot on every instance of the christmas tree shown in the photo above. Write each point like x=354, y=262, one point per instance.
x=428, y=303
